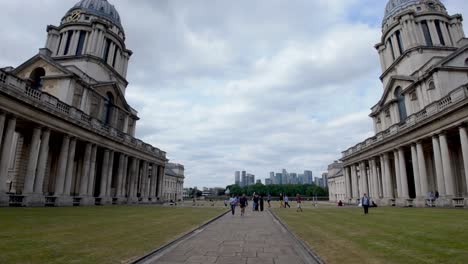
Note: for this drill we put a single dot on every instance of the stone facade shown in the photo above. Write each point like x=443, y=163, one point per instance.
x=173, y=182
x=66, y=129
x=336, y=182
x=421, y=143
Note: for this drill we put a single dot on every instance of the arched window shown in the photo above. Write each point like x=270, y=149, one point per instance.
x=401, y=104
x=36, y=78
x=108, y=102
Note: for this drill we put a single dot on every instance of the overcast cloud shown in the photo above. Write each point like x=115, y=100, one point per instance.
x=237, y=85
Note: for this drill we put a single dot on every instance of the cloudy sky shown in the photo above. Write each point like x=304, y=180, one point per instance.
x=237, y=85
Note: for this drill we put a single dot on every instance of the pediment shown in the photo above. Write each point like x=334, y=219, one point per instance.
x=458, y=60
x=104, y=88
x=389, y=92
x=52, y=69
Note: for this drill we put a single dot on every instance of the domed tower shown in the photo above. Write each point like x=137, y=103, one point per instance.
x=91, y=37
x=413, y=33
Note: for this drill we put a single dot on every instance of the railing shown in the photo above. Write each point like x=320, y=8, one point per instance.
x=20, y=89
x=455, y=96
x=76, y=201
x=458, y=202
x=50, y=201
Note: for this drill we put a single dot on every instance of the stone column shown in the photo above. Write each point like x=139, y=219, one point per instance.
x=2, y=126
x=92, y=172
x=403, y=174
x=70, y=167
x=347, y=183
x=382, y=171
x=447, y=38
x=86, y=169
x=375, y=181
x=388, y=179
x=42, y=162
x=62, y=166
x=5, y=158
x=125, y=178
x=32, y=161
x=120, y=174
x=104, y=173
x=434, y=35
x=397, y=172
x=438, y=166
x=110, y=174
x=364, y=180
x=144, y=180
x=447, y=166
x=354, y=180
x=417, y=177
x=132, y=178
x=464, y=146
x=422, y=169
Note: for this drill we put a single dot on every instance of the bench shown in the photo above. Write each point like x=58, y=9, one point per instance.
x=50, y=201
x=16, y=200
x=458, y=202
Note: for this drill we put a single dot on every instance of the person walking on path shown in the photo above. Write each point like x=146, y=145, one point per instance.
x=255, y=202
x=286, y=202
x=233, y=202
x=261, y=203
x=365, y=203
x=281, y=200
x=299, y=202
x=243, y=203
x=269, y=200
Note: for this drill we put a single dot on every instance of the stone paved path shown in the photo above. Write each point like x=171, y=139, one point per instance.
x=256, y=238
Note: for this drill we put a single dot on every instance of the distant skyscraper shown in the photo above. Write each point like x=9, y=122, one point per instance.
x=279, y=178
x=324, y=179
x=300, y=179
x=293, y=178
x=258, y=181
x=308, y=177
x=244, y=179
x=268, y=182
x=237, y=178
x=285, y=177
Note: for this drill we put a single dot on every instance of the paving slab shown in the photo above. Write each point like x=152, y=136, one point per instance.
x=256, y=237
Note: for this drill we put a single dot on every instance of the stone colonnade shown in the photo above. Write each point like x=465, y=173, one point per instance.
x=39, y=166
x=430, y=171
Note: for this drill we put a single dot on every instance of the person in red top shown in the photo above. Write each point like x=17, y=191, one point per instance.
x=299, y=202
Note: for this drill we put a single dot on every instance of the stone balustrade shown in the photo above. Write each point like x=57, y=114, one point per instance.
x=22, y=91
x=434, y=108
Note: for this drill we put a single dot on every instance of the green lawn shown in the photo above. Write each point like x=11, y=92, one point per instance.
x=386, y=235
x=113, y=234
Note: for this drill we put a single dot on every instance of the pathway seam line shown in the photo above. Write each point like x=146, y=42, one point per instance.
x=149, y=256
x=298, y=239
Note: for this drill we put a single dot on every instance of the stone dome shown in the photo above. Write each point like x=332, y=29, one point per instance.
x=101, y=8
x=396, y=6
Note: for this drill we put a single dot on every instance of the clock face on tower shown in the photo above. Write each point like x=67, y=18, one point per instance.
x=74, y=16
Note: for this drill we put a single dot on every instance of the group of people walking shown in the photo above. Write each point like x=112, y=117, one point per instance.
x=258, y=202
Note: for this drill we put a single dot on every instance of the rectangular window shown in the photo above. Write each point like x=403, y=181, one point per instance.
x=81, y=41
x=427, y=33
x=390, y=46
x=439, y=32
x=115, y=56
x=67, y=44
x=107, y=49
x=400, y=42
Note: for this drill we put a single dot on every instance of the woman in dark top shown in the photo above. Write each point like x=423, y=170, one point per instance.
x=243, y=203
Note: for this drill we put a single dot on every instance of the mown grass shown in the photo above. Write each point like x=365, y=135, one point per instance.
x=386, y=235
x=92, y=234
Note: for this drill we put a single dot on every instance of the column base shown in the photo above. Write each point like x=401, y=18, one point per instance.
x=132, y=200
x=444, y=202
x=388, y=201
x=34, y=200
x=420, y=202
x=404, y=202
x=106, y=200
x=87, y=201
x=64, y=201
x=4, y=200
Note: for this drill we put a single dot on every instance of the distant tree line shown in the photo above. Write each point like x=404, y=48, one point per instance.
x=275, y=190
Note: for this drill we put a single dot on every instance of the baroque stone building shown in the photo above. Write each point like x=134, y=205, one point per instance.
x=421, y=140
x=66, y=128
x=336, y=182
x=173, y=182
